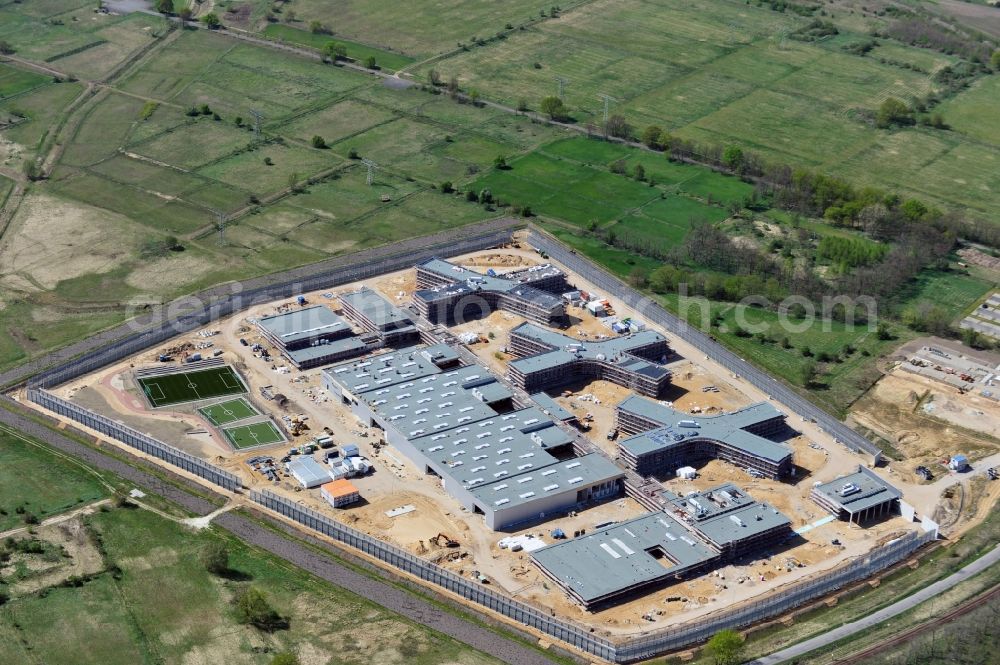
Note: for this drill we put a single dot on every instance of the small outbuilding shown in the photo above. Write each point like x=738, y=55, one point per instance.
x=858, y=497
x=340, y=493
x=308, y=472
x=958, y=463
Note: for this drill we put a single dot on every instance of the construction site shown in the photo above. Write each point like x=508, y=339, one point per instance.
x=935, y=400
x=405, y=486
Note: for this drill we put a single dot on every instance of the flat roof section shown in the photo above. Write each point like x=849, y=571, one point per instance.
x=466, y=281
x=726, y=514
x=858, y=491
x=305, y=323
x=383, y=314
x=552, y=407
x=337, y=346
x=648, y=549
x=493, y=449
x=388, y=369
x=677, y=426
x=565, y=349
x=538, y=482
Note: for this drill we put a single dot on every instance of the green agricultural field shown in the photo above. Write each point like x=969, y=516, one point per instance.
x=420, y=27
x=570, y=180
x=228, y=412
x=159, y=604
x=725, y=73
x=969, y=111
x=171, y=389
x=955, y=290
x=34, y=481
x=14, y=82
x=251, y=436
x=358, y=52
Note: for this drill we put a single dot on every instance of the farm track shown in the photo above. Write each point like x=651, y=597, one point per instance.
x=274, y=541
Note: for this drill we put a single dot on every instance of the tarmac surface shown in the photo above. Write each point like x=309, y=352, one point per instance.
x=897, y=608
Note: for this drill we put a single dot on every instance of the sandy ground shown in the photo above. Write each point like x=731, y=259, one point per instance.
x=396, y=482
x=927, y=420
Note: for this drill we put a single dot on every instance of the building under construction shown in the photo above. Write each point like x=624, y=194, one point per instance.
x=548, y=359
x=692, y=533
x=665, y=439
x=314, y=336
x=506, y=461
x=378, y=316
x=448, y=293
x=858, y=497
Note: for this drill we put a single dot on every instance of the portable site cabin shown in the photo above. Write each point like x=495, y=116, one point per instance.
x=958, y=463
x=596, y=307
x=340, y=493
x=308, y=472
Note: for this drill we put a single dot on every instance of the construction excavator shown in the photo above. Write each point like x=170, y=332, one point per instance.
x=444, y=540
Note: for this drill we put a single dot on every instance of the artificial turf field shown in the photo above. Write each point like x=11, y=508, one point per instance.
x=251, y=436
x=228, y=412
x=192, y=386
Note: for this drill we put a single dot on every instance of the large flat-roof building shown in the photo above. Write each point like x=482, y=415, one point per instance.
x=459, y=423
x=858, y=497
x=313, y=336
x=548, y=359
x=377, y=315
x=448, y=293
x=665, y=439
x=694, y=533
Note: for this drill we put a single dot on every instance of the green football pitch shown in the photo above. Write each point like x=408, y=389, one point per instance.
x=250, y=436
x=192, y=386
x=228, y=412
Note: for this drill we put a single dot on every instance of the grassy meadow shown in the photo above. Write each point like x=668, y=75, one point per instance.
x=153, y=601
x=728, y=73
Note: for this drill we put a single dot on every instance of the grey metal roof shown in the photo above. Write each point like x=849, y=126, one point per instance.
x=872, y=490
x=493, y=449
x=383, y=314
x=552, y=407
x=728, y=428
x=618, y=557
x=388, y=369
x=502, y=459
x=565, y=349
x=466, y=281
x=304, y=323
x=540, y=482
x=320, y=351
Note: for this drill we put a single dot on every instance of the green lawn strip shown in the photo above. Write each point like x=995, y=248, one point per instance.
x=28, y=488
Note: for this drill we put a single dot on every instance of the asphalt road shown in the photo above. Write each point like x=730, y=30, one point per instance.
x=398, y=600
x=889, y=612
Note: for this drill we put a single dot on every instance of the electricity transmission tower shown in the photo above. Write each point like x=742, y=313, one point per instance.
x=560, y=82
x=258, y=119
x=220, y=226
x=607, y=99
x=371, y=170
